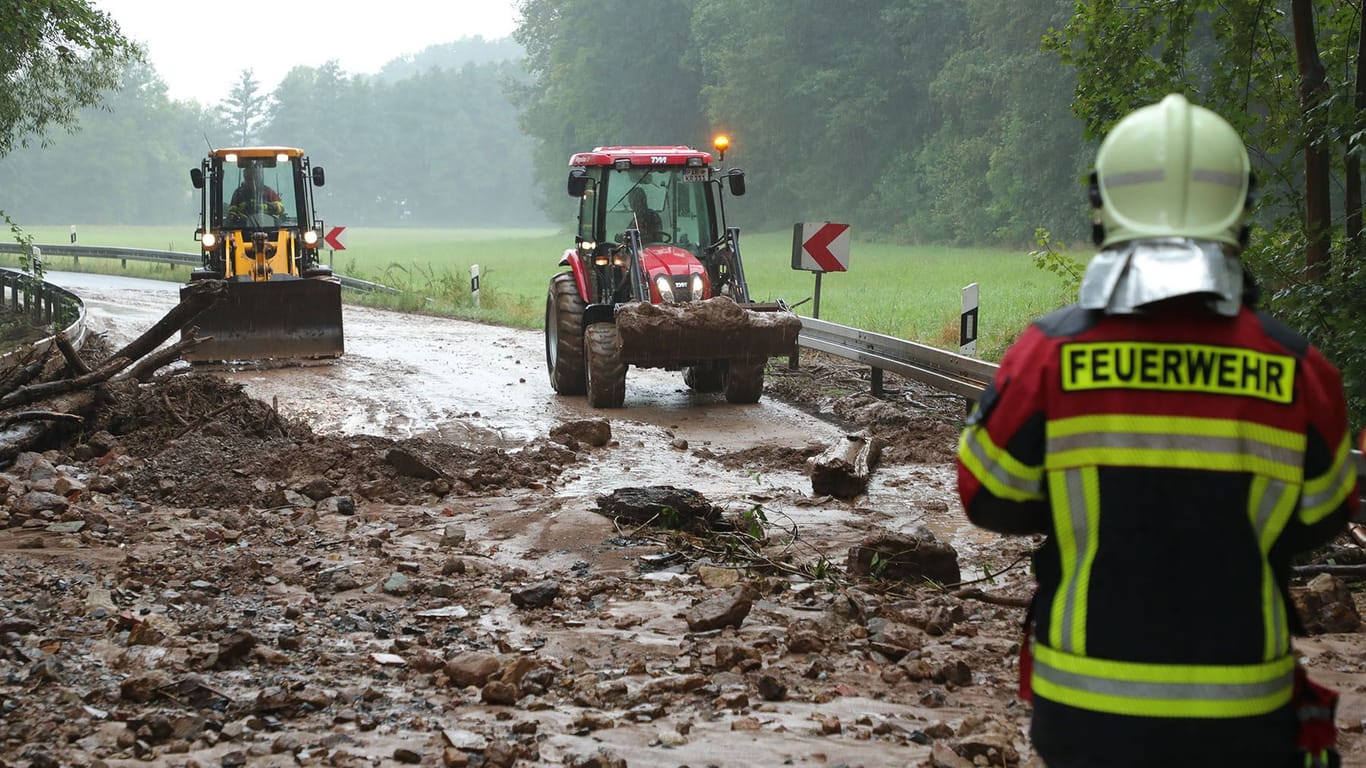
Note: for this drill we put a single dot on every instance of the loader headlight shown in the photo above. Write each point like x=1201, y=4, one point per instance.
x=666, y=291
x=587, y=246
x=311, y=238
x=695, y=283
x=208, y=241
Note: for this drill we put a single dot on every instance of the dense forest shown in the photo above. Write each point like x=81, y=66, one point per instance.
x=929, y=122
x=430, y=140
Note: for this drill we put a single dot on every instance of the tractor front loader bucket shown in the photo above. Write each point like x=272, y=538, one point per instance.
x=663, y=335
x=280, y=319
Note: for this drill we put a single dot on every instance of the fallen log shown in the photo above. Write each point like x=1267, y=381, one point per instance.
x=845, y=468
x=71, y=400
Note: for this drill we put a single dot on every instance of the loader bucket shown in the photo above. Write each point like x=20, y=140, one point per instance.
x=279, y=319
x=665, y=335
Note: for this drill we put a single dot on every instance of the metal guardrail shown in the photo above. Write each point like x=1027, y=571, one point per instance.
x=45, y=304
x=180, y=258
x=950, y=372
x=959, y=374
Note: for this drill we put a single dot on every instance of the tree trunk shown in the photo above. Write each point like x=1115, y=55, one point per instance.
x=1351, y=195
x=1313, y=86
x=845, y=468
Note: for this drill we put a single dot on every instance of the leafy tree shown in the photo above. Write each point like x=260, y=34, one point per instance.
x=246, y=108
x=56, y=58
x=605, y=72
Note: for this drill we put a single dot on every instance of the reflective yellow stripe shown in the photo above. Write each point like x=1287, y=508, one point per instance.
x=1076, y=521
x=999, y=472
x=1270, y=505
x=1177, y=368
x=1326, y=493
x=1176, y=442
x=1162, y=690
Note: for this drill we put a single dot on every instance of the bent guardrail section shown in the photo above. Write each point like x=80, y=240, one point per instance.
x=179, y=258
x=44, y=304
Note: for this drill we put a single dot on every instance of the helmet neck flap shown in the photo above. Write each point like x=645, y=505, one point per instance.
x=1128, y=276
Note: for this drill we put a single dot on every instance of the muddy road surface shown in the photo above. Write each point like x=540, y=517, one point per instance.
x=418, y=554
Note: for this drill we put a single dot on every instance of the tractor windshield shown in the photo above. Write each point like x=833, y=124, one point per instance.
x=262, y=194
x=667, y=205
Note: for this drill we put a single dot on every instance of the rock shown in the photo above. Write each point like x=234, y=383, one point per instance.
x=916, y=557
x=894, y=639
x=410, y=465
x=538, y=595
x=453, y=535
x=726, y=610
x=661, y=505
x=718, y=578
x=499, y=692
x=594, y=432
x=472, y=668
x=1325, y=605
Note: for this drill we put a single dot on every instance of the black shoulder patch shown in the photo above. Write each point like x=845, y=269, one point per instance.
x=1283, y=334
x=1068, y=321
x=989, y=397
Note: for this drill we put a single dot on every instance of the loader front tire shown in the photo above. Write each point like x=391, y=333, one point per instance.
x=606, y=372
x=564, y=357
x=745, y=381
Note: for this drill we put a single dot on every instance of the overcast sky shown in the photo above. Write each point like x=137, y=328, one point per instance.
x=200, y=49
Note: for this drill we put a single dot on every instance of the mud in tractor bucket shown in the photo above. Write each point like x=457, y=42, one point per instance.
x=278, y=319
x=670, y=334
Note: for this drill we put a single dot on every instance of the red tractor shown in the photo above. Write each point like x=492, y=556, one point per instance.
x=655, y=280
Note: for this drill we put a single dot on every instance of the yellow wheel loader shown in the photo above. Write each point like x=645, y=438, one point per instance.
x=257, y=232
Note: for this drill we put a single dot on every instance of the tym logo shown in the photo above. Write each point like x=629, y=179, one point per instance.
x=658, y=159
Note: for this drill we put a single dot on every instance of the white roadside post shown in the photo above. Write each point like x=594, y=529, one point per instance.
x=474, y=284
x=967, y=327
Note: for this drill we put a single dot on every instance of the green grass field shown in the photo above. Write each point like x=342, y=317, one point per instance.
x=911, y=293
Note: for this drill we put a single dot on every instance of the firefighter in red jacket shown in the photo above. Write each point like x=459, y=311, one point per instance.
x=1177, y=448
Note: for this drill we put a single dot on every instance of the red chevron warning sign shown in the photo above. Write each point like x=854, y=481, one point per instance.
x=820, y=247
x=333, y=239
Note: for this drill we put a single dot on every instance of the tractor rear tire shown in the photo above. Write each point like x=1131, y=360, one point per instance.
x=745, y=381
x=564, y=336
x=606, y=372
x=706, y=377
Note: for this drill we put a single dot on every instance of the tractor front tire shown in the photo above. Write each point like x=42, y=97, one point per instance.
x=564, y=336
x=745, y=381
x=606, y=372
x=705, y=377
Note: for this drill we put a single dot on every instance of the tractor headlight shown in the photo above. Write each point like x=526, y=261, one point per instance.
x=209, y=241
x=666, y=291
x=695, y=283
x=587, y=246
x=311, y=238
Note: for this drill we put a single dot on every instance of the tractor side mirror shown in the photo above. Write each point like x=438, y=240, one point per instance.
x=736, y=178
x=318, y=176
x=197, y=177
x=578, y=182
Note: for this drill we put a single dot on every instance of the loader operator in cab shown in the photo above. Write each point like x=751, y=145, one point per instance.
x=646, y=219
x=1176, y=448
x=253, y=197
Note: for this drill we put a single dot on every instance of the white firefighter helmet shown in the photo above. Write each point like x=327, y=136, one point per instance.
x=1170, y=188
x=1172, y=169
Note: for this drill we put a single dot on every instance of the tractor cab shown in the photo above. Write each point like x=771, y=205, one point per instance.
x=655, y=280
x=652, y=220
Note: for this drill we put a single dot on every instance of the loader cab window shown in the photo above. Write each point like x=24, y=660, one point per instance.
x=262, y=193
